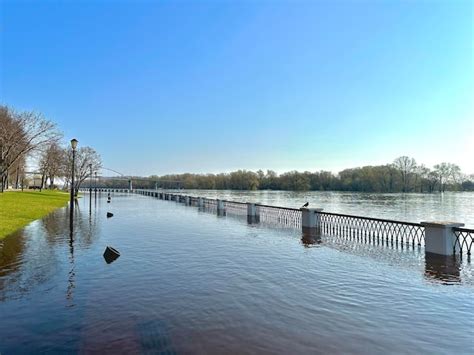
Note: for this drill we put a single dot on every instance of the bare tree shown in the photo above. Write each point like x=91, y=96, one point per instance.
x=447, y=173
x=455, y=173
x=87, y=159
x=51, y=162
x=20, y=134
x=421, y=174
x=16, y=172
x=406, y=166
x=442, y=172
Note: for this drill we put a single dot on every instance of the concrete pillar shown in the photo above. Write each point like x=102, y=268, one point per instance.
x=439, y=237
x=220, y=208
x=311, y=220
x=253, y=213
x=187, y=200
x=200, y=202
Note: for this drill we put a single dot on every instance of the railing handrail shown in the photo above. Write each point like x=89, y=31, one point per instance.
x=237, y=202
x=279, y=207
x=460, y=229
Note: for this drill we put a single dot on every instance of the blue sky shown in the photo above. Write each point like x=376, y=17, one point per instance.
x=209, y=86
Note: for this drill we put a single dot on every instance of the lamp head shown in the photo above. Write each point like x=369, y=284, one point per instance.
x=74, y=142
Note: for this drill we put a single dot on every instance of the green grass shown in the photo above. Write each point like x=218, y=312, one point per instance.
x=17, y=208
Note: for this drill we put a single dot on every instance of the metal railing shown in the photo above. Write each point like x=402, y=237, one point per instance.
x=193, y=201
x=235, y=208
x=282, y=215
x=464, y=240
x=209, y=205
x=372, y=229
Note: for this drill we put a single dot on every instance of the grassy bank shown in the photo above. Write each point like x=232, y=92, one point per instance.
x=17, y=208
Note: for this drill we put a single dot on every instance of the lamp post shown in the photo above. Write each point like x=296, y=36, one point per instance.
x=90, y=180
x=73, y=146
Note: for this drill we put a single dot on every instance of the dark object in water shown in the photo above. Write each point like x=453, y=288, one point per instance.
x=108, y=201
x=109, y=214
x=110, y=254
x=305, y=205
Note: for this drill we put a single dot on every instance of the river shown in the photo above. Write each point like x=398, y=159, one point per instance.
x=192, y=282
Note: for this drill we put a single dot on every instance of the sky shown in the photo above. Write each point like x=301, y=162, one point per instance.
x=160, y=87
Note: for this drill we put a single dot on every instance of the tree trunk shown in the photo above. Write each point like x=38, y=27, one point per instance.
x=3, y=181
x=43, y=180
x=17, y=177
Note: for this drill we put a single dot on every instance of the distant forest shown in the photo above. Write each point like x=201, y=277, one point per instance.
x=403, y=175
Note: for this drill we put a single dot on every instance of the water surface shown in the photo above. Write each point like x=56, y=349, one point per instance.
x=192, y=282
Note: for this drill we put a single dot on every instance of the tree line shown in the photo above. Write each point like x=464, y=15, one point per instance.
x=402, y=175
x=33, y=155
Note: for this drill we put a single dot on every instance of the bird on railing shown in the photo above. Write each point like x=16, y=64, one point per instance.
x=305, y=205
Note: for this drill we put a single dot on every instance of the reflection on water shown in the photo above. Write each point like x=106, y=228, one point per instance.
x=309, y=239
x=189, y=282
x=30, y=255
x=446, y=269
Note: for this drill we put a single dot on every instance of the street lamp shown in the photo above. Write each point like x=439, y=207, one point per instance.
x=73, y=146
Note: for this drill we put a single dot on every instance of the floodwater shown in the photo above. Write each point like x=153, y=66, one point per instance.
x=412, y=207
x=190, y=282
